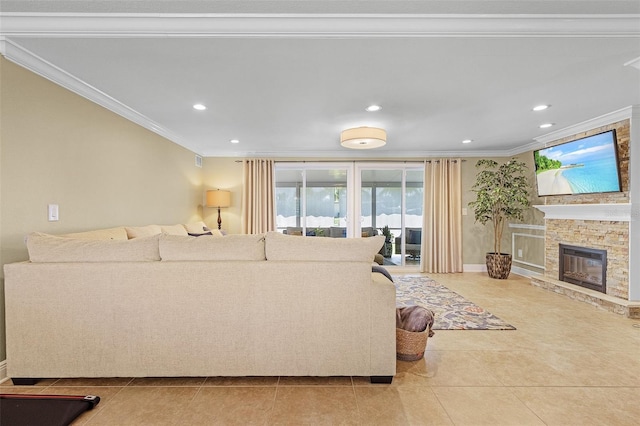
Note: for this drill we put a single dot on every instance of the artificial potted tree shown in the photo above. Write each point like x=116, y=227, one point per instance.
x=502, y=193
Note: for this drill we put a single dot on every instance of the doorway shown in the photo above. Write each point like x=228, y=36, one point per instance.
x=355, y=199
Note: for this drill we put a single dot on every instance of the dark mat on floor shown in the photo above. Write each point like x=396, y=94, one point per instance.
x=43, y=410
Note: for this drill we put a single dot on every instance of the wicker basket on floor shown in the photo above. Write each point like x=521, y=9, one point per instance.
x=410, y=345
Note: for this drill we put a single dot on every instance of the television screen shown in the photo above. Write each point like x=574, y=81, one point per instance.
x=584, y=166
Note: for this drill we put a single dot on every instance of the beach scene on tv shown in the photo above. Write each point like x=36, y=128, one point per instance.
x=583, y=166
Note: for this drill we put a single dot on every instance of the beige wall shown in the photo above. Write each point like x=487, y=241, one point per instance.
x=226, y=173
x=223, y=173
x=478, y=239
x=102, y=170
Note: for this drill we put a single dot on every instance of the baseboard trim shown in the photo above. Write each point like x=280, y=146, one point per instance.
x=525, y=272
x=477, y=267
x=3, y=371
x=474, y=267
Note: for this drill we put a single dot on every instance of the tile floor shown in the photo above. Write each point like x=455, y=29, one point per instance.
x=567, y=363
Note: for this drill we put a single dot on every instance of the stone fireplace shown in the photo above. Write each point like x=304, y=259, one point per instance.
x=594, y=229
x=583, y=227
x=583, y=266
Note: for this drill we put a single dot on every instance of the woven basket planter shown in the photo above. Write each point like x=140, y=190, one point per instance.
x=498, y=265
x=410, y=345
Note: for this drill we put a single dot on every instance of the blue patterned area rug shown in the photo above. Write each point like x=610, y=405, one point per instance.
x=452, y=311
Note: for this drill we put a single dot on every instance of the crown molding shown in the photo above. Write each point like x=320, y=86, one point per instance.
x=633, y=63
x=27, y=59
x=289, y=25
x=314, y=25
x=603, y=120
x=521, y=149
x=358, y=154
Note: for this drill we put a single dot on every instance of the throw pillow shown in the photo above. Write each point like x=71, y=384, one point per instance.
x=100, y=234
x=173, y=229
x=142, y=231
x=212, y=232
x=208, y=248
x=381, y=270
x=195, y=227
x=50, y=248
x=198, y=235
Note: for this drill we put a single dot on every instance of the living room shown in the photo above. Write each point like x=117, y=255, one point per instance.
x=103, y=170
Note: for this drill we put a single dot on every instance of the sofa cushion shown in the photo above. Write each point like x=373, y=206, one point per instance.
x=100, y=234
x=210, y=248
x=142, y=231
x=284, y=247
x=50, y=248
x=195, y=227
x=173, y=229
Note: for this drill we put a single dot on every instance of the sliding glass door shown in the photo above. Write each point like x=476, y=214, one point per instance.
x=323, y=199
x=314, y=199
x=391, y=195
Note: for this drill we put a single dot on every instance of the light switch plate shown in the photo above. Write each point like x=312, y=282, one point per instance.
x=53, y=213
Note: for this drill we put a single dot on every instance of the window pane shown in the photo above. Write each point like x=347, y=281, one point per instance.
x=326, y=198
x=366, y=209
x=415, y=195
x=413, y=216
x=382, y=204
x=319, y=210
x=288, y=184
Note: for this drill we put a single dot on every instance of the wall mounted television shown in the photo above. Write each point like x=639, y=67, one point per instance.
x=584, y=166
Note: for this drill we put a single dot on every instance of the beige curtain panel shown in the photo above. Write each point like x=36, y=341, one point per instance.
x=258, y=196
x=442, y=220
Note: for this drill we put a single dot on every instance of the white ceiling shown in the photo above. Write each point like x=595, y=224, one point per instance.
x=285, y=77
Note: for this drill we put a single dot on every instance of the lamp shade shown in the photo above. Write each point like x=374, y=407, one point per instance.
x=218, y=198
x=363, y=138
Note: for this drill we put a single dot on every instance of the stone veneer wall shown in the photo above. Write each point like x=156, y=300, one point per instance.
x=612, y=236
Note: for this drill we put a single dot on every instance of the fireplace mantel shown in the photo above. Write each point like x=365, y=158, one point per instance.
x=620, y=212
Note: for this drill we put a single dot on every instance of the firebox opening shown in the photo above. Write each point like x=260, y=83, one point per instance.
x=584, y=266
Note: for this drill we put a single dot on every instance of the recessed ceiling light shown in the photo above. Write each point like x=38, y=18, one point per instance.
x=467, y=141
x=541, y=107
x=373, y=108
x=546, y=125
x=199, y=107
x=234, y=141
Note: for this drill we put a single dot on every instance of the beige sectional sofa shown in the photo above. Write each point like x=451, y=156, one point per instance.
x=176, y=305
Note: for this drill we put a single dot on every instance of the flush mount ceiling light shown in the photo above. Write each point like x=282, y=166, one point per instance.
x=541, y=107
x=363, y=138
x=467, y=141
x=373, y=108
x=234, y=141
x=546, y=125
x=199, y=107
